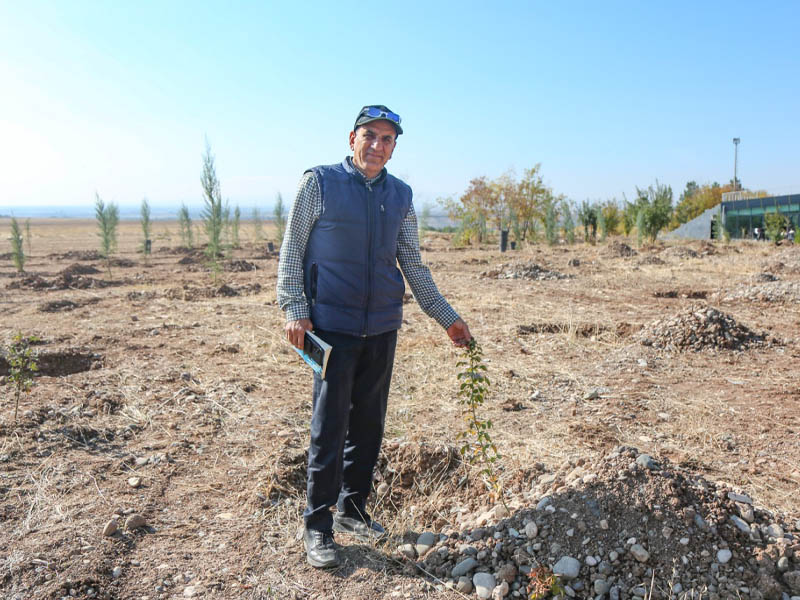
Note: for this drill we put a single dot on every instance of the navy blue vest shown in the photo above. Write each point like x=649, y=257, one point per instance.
x=350, y=270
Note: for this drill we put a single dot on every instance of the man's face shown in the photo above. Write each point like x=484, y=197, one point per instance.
x=372, y=145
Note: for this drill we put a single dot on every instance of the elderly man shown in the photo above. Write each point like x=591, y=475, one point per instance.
x=349, y=227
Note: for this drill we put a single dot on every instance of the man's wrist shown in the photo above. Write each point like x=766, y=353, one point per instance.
x=295, y=312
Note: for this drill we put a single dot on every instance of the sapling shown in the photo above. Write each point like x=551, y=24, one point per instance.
x=185, y=226
x=213, y=213
x=471, y=395
x=22, y=362
x=146, y=225
x=17, y=251
x=258, y=226
x=107, y=216
x=235, y=223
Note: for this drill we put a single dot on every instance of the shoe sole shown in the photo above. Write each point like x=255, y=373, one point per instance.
x=360, y=537
x=320, y=564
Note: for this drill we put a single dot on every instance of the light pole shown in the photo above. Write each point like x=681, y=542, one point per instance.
x=735, y=163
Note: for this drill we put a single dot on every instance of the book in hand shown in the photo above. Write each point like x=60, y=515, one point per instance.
x=315, y=352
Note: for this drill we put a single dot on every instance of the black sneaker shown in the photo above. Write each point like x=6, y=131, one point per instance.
x=364, y=529
x=321, y=550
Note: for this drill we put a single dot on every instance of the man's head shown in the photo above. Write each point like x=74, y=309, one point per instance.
x=373, y=138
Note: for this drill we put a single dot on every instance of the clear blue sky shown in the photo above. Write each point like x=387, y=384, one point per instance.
x=118, y=96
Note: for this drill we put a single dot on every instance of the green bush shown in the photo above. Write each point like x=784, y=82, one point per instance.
x=17, y=252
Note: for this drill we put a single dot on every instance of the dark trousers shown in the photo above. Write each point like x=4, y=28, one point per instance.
x=349, y=408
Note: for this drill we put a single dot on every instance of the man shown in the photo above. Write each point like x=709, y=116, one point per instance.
x=349, y=227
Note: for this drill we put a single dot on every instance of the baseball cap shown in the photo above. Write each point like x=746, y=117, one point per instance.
x=378, y=112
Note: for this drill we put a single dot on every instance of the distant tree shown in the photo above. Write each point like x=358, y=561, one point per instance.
x=655, y=207
x=17, y=251
x=258, y=224
x=602, y=228
x=235, y=224
x=587, y=217
x=213, y=212
x=28, y=236
x=629, y=213
x=550, y=220
x=107, y=217
x=425, y=218
x=185, y=225
x=774, y=222
x=146, y=227
x=528, y=203
x=612, y=215
x=569, y=222
x=641, y=227
x=279, y=213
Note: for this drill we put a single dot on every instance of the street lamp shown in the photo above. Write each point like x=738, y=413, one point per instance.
x=735, y=163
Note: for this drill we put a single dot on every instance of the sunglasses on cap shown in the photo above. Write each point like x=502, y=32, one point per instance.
x=374, y=112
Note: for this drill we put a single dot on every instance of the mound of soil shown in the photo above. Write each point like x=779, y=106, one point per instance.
x=239, y=266
x=700, y=328
x=188, y=292
x=771, y=291
x=79, y=269
x=693, y=294
x=29, y=282
x=580, y=329
x=620, y=249
x=57, y=363
x=652, y=259
x=122, y=262
x=78, y=255
x=625, y=526
x=681, y=252
x=530, y=271
x=57, y=306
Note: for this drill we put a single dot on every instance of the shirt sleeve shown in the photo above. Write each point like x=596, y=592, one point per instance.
x=304, y=214
x=419, y=276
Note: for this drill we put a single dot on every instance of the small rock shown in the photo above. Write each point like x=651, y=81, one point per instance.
x=464, y=567
x=601, y=586
x=425, y=542
x=484, y=585
x=740, y=524
x=603, y=524
x=593, y=395
x=116, y=573
x=192, y=591
x=135, y=521
x=739, y=498
x=507, y=573
x=646, y=461
x=723, y=556
x=567, y=567
x=383, y=488
x=531, y=530
x=591, y=561
x=111, y=528
x=544, y=502
x=775, y=530
x=639, y=553
x=500, y=591
x=464, y=585
x=783, y=564
x=134, y=482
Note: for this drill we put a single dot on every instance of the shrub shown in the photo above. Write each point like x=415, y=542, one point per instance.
x=258, y=225
x=17, y=252
x=551, y=222
x=569, y=224
x=774, y=222
x=146, y=226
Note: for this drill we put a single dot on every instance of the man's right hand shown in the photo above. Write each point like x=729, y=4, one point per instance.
x=296, y=331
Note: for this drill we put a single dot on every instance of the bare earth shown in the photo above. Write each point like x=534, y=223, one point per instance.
x=161, y=374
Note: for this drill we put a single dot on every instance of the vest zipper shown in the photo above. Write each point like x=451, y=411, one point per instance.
x=370, y=227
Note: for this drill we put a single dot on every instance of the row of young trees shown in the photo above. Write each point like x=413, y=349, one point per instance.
x=529, y=209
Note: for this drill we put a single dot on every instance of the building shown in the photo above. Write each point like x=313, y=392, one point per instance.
x=741, y=214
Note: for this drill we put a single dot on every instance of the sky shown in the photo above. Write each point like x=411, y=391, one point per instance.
x=118, y=98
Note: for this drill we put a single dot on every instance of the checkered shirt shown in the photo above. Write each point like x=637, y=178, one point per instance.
x=303, y=216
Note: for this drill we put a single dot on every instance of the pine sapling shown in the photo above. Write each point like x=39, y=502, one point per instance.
x=28, y=236
x=258, y=226
x=185, y=226
x=17, y=251
x=23, y=363
x=107, y=217
x=235, y=223
x=146, y=226
x=280, y=218
x=213, y=213
x=477, y=446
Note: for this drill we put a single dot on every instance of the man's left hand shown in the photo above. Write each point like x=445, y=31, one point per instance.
x=459, y=333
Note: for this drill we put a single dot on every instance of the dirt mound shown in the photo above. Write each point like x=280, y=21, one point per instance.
x=619, y=249
x=692, y=294
x=626, y=526
x=29, y=282
x=700, y=328
x=680, y=252
x=79, y=269
x=770, y=291
x=239, y=266
x=77, y=255
x=57, y=306
x=66, y=361
x=585, y=330
x=188, y=292
x=530, y=271
x=122, y=262
x=651, y=259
